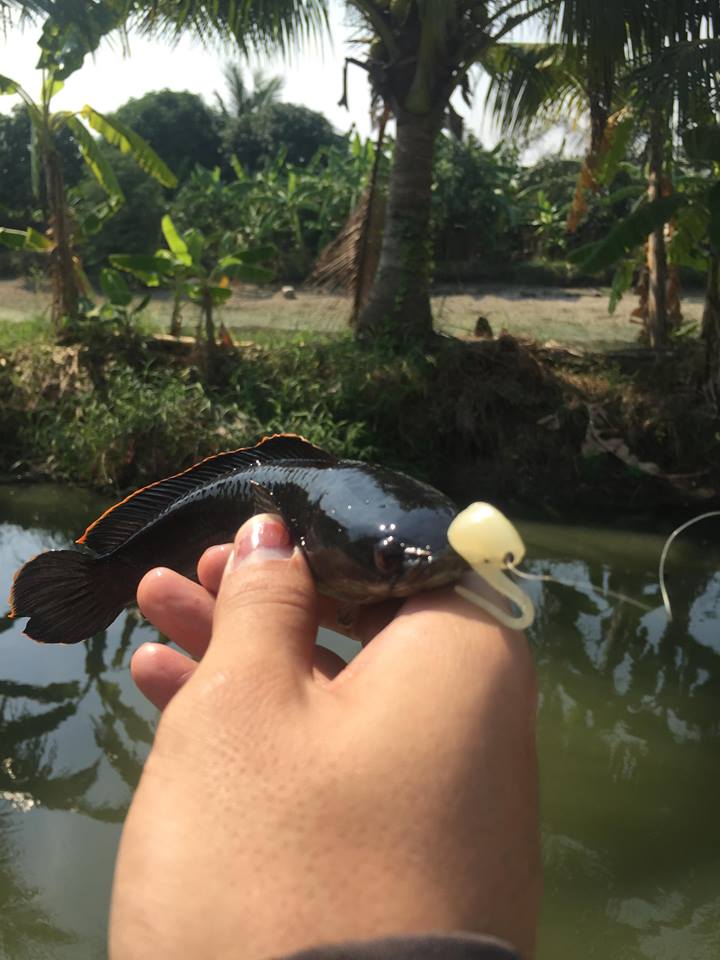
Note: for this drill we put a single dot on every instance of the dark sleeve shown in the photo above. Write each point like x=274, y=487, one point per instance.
x=454, y=946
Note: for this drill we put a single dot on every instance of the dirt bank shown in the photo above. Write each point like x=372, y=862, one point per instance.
x=500, y=419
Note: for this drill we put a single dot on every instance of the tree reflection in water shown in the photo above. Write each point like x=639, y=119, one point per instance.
x=629, y=736
x=32, y=735
x=26, y=931
x=629, y=723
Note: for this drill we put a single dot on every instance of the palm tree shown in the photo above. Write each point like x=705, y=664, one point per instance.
x=676, y=77
x=421, y=51
x=609, y=55
x=68, y=281
x=243, y=99
x=687, y=74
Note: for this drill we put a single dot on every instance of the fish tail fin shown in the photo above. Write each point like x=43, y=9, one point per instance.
x=69, y=596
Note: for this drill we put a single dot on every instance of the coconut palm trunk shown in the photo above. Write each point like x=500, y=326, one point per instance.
x=657, y=320
x=399, y=301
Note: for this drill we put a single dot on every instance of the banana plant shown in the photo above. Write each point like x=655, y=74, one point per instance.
x=69, y=283
x=188, y=266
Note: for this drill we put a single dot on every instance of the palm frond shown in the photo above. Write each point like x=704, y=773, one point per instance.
x=349, y=262
x=252, y=25
x=532, y=84
x=603, y=29
x=337, y=266
x=688, y=71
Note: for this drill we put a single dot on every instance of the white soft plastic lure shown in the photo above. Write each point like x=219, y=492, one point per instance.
x=485, y=538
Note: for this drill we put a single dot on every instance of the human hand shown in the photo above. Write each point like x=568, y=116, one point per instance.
x=183, y=611
x=282, y=807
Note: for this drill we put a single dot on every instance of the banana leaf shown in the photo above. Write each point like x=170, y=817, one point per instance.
x=7, y=85
x=127, y=141
x=94, y=158
x=627, y=234
x=177, y=245
x=114, y=287
x=254, y=255
x=25, y=240
x=246, y=272
x=143, y=266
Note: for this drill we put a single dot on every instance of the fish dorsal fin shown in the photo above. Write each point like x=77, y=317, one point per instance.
x=121, y=521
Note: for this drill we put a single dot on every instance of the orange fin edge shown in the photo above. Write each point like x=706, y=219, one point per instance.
x=295, y=436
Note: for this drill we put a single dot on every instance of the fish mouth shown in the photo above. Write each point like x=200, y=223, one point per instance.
x=425, y=569
x=422, y=568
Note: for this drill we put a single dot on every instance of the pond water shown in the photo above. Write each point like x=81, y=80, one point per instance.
x=629, y=738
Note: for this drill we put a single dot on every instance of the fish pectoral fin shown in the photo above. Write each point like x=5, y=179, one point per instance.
x=263, y=499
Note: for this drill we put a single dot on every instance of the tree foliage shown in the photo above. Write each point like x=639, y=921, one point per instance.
x=134, y=226
x=256, y=136
x=178, y=125
x=17, y=203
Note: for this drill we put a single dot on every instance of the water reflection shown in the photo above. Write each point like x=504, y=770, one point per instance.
x=73, y=737
x=629, y=735
x=26, y=931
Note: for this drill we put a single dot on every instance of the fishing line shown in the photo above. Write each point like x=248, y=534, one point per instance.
x=663, y=556
x=575, y=584
x=490, y=544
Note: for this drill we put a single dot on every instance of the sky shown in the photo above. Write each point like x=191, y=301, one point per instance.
x=312, y=75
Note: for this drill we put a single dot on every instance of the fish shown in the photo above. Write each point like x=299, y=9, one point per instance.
x=367, y=532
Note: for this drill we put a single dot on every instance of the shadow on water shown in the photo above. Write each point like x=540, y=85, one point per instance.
x=629, y=738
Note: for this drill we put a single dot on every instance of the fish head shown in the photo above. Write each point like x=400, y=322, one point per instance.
x=384, y=536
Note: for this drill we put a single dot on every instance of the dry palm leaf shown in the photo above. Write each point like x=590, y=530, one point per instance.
x=349, y=262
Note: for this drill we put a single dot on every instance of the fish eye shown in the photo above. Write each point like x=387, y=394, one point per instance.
x=389, y=555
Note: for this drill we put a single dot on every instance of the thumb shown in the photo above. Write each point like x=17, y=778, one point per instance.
x=266, y=611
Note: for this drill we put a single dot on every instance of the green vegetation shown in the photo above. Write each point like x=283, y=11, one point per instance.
x=60, y=58
x=252, y=188
x=511, y=418
x=196, y=267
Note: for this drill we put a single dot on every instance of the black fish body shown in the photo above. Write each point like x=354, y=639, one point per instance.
x=368, y=533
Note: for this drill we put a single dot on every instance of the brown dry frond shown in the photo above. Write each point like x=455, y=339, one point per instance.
x=587, y=178
x=350, y=261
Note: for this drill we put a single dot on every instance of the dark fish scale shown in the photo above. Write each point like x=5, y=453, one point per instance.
x=368, y=533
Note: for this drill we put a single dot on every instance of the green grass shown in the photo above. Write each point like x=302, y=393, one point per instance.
x=129, y=416
x=570, y=316
x=119, y=415
x=16, y=333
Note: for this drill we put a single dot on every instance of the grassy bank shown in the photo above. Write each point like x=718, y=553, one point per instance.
x=574, y=316
x=498, y=419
